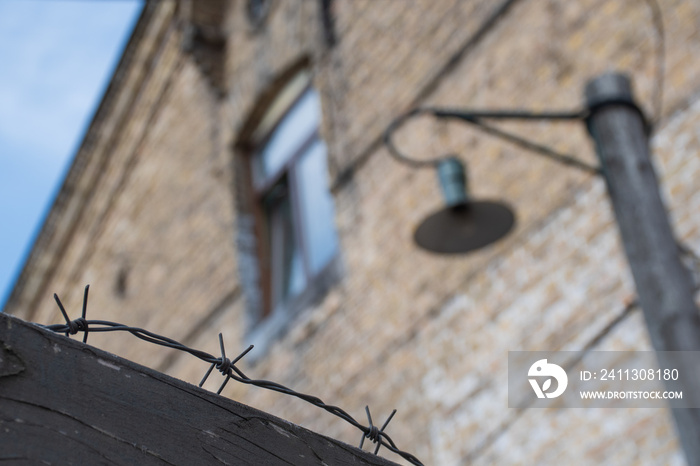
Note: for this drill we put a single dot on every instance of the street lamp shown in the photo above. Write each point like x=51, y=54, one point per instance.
x=465, y=224
x=620, y=132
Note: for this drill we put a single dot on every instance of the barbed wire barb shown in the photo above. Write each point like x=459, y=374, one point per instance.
x=373, y=433
x=206, y=376
x=228, y=369
x=74, y=326
x=386, y=423
x=63, y=310
x=84, y=314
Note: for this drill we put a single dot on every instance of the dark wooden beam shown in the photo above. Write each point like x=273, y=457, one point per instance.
x=65, y=402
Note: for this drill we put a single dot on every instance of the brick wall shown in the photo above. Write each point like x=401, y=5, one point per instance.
x=402, y=329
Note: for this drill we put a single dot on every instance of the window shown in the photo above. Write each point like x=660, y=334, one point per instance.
x=294, y=211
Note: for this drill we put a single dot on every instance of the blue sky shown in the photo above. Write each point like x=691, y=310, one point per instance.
x=56, y=58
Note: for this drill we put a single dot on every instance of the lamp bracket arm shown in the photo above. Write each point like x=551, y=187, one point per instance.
x=475, y=117
x=394, y=151
x=470, y=115
x=537, y=149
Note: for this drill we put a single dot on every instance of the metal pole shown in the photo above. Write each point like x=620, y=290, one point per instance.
x=664, y=285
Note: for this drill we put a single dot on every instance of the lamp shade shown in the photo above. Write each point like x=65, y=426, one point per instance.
x=464, y=224
x=464, y=228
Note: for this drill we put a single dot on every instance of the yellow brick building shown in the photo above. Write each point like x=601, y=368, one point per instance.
x=175, y=217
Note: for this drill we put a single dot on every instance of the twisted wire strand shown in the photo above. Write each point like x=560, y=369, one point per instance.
x=227, y=368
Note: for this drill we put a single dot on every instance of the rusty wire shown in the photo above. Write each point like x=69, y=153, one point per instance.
x=228, y=368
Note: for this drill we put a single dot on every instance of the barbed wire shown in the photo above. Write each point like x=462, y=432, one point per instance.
x=228, y=368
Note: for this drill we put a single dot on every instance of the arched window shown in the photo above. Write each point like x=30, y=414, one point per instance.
x=293, y=207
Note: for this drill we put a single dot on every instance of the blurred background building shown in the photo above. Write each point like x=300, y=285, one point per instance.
x=234, y=179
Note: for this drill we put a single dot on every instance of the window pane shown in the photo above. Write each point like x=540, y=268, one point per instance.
x=286, y=267
x=295, y=128
x=317, y=207
x=281, y=104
